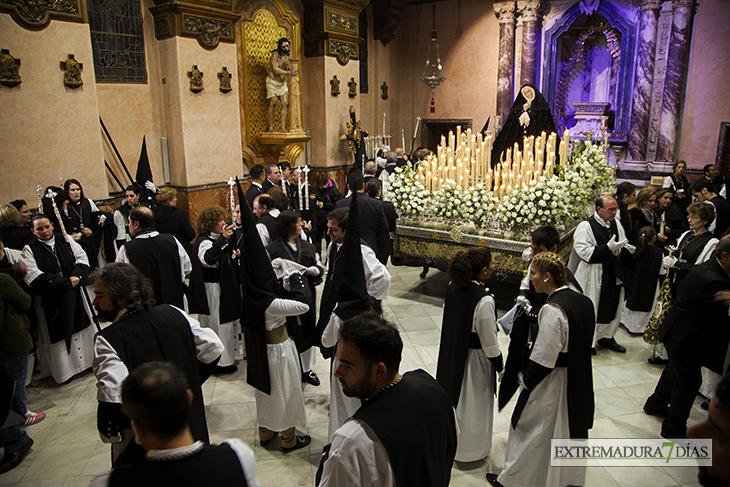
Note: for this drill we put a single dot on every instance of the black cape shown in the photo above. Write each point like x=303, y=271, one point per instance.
x=578, y=310
x=455, y=336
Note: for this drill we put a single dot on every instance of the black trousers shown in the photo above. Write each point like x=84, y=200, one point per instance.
x=677, y=388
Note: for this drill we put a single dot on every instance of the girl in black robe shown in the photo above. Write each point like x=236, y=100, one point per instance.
x=288, y=253
x=644, y=286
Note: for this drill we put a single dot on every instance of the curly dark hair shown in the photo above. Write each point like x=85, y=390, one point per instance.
x=125, y=282
x=208, y=218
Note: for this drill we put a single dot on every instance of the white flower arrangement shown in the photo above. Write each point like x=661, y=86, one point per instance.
x=548, y=202
x=480, y=205
x=561, y=200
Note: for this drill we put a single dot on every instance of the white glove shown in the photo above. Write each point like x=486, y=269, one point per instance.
x=312, y=271
x=669, y=261
x=150, y=186
x=527, y=254
x=524, y=303
x=615, y=246
x=630, y=248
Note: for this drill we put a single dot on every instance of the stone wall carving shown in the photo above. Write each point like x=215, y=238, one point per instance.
x=331, y=28
x=34, y=14
x=209, y=23
x=9, y=69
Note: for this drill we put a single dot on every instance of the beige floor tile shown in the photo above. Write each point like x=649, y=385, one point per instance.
x=60, y=461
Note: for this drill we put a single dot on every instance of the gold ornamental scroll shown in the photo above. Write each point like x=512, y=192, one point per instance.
x=429, y=244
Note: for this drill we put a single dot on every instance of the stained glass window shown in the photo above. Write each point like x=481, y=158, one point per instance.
x=117, y=42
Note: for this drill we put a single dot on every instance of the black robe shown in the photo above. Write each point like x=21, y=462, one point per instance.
x=301, y=328
x=415, y=423
x=688, y=251
x=226, y=274
x=524, y=326
x=63, y=304
x=162, y=333
x=77, y=216
x=541, y=120
x=578, y=310
x=158, y=259
x=644, y=281
x=212, y=465
x=456, y=336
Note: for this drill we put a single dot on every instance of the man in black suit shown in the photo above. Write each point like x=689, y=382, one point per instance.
x=695, y=332
x=373, y=224
x=369, y=171
x=373, y=188
x=287, y=181
x=625, y=196
x=716, y=179
x=273, y=176
x=256, y=188
x=704, y=190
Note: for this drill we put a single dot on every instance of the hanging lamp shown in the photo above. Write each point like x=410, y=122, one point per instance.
x=432, y=73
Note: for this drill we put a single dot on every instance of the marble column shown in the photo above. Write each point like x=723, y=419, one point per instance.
x=505, y=12
x=674, y=82
x=641, y=100
x=530, y=29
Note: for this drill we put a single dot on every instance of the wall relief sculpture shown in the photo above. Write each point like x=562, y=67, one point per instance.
x=225, y=78
x=9, y=69
x=196, y=79
x=72, y=76
x=36, y=14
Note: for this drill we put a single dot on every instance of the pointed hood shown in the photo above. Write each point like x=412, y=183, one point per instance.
x=144, y=174
x=352, y=294
x=259, y=290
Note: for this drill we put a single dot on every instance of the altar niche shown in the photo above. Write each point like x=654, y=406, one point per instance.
x=590, y=58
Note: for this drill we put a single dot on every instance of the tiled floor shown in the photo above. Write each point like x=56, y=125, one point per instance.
x=67, y=450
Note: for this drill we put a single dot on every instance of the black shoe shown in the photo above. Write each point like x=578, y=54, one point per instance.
x=12, y=460
x=669, y=434
x=225, y=370
x=310, y=378
x=266, y=442
x=610, y=343
x=705, y=405
x=302, y=441
x=659, y=412
x=657, y=361
x=594, y=351
x=492, y=479
x=424, y=273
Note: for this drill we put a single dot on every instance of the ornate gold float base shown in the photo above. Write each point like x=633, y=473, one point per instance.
x=441, y=245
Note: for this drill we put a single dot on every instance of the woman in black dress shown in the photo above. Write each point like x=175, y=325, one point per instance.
x=12, y=231
x=298, y=268
x=80, y=221
x=642, y=211
x=679, y=183
x=695, y=245
x=670, y=222
x=173, y=220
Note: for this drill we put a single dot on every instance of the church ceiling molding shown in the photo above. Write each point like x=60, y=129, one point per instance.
x=210, y=22
x=36, y=14
x=331, y=28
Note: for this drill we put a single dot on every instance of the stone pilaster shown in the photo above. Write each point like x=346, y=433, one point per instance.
x=529, y=10
x=641, y=100
x=674, y=82
x=505, y=12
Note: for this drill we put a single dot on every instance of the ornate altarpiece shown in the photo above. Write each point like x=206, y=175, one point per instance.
x=261, y=27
